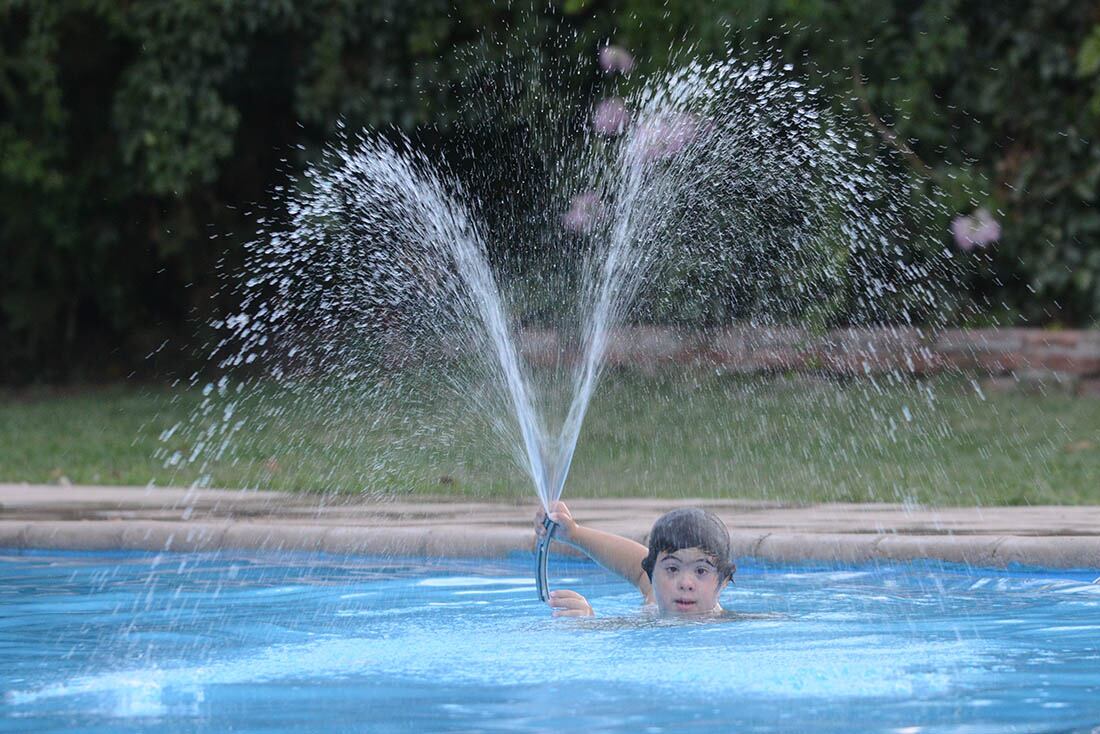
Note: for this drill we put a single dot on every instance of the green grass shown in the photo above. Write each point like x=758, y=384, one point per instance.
x=688, y=435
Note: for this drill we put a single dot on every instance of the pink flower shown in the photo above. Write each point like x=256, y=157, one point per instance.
x=979, y=229
x=610, y=117
x=616, y=58
x=665, y=136
x=583, y=211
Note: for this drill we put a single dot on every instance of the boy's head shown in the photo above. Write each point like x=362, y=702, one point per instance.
x=689, y=561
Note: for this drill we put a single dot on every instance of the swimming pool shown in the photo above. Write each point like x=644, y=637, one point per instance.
x=255, y=642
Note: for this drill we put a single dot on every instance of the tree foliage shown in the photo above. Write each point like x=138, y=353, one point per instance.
x=133, y=134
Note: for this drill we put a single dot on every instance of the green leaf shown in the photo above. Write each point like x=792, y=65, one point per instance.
x=1088, y=56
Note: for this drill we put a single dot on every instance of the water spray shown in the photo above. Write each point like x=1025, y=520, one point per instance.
x=724, y=170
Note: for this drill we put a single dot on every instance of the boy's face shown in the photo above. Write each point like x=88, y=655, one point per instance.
x=686, y=582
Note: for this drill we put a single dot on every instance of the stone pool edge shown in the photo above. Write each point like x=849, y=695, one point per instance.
x=444, y=542
x=188, y=519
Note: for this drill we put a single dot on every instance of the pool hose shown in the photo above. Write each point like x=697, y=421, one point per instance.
x=543, y=552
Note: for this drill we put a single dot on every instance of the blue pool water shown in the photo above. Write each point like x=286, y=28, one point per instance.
x=268, y=643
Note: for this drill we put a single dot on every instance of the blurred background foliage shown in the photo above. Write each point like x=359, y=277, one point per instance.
x=135, y=135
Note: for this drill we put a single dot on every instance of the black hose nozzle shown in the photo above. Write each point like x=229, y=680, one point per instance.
x=543, y=552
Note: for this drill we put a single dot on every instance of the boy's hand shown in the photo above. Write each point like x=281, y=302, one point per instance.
x=560, y=514
x=567, y=603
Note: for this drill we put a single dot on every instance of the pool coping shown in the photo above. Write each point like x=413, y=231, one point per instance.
x=178, y=519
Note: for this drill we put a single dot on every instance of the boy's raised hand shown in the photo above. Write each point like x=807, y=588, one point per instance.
x=567, y=603
x=560, y=514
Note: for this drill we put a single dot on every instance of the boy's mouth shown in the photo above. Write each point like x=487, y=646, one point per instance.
x=684, y=605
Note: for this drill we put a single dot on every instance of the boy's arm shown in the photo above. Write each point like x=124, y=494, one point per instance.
x=614, y=552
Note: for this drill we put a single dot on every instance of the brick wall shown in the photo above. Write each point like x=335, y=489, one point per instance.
x=1005, y=358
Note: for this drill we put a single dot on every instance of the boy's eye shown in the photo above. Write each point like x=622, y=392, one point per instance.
x=702, y=571
x=672, y=569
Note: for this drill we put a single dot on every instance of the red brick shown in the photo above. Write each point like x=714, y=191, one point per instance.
x=979, y=339
x=1089, y=346
x=852, y=351
x=1067, y=339
x=1089, y=387
x=1068, y=363
x=999, y=363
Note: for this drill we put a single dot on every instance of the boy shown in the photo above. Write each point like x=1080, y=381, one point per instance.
x=683, y=571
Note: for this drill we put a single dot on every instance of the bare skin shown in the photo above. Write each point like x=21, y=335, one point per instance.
x=685, y=582
x=567, y=603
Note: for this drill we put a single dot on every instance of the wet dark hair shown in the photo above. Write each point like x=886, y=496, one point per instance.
x=690, y=527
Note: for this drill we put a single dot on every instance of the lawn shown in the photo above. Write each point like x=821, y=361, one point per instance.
x=693, y=434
